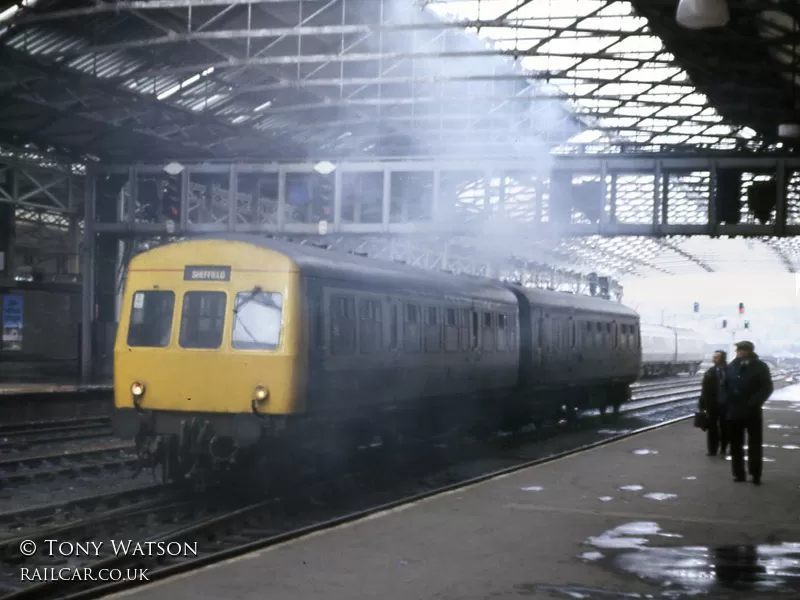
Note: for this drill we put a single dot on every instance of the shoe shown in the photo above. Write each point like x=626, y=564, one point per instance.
x=739, y=479
x=756, y=480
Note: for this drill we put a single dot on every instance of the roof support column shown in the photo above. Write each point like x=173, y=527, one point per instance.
x=387, y=198
x=657, y=197
x=780, y=201
x=87, y=274
x=233, y=197
x=281, y=216
x=337, y=200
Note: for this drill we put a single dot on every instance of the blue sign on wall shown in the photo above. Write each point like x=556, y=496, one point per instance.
x=12, y=312
x=12, y=323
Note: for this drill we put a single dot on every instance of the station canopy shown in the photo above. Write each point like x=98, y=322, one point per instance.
x=310, y=80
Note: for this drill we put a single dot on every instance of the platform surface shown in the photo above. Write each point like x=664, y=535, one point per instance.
x=16, y=389
x=650, y=516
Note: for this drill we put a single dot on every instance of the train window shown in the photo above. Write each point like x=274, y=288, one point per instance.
x=554, y=337
x=573, y=334
x=488, y=332
x=343, y=326
x=371, y=326
x=474, y=330
x=433, y=334
x=466, y=320
x=151, y=319
x=394, y=328
x=202, y=319
x=502, y=332
x=450, y=330
x=257, y=321
x=608, y=327
x=433, y=315
x=512, y=333
x=411, y=330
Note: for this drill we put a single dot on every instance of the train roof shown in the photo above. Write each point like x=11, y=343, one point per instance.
x=548, y=298
x=664, y=329
x=317, y=262
x=350, y=267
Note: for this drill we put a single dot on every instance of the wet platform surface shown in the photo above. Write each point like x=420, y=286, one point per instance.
x=648, y=517
x=16, y=389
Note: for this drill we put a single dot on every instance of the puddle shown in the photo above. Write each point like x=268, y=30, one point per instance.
x=643, y=451
x=660, y=496
x=532, y=488
x=631, y=488
x=690, y=477
x=606, y=498
x=701, y=569
x=691, y=570
x=592, y=555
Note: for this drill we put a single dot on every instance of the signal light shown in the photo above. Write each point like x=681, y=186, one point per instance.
x=741, y=308
x=697, y=307
x=747, y=324
x=724, y=323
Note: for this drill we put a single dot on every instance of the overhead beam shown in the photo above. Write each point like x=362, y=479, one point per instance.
x=629, y=202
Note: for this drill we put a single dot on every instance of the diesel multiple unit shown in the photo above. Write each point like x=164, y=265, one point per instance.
x=233, y=348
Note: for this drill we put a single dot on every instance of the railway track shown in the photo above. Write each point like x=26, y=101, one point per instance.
x=24, y=435
x=107, y=457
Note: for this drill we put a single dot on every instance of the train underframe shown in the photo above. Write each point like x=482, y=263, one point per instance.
x=666, y=369
x=201, y=447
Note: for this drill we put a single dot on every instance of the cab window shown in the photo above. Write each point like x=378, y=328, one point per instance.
x=202, y=319
x=151, y=319
x=257, y=321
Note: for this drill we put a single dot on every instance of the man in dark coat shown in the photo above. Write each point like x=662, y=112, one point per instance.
x=712, y=402
x=748, y=386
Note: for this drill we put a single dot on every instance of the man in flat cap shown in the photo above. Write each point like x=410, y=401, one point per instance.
x=748, y=386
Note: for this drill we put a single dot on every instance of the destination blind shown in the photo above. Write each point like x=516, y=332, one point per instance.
x=207, y=273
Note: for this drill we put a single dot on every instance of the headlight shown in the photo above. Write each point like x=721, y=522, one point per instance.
x=137, y=389
x=260, y=393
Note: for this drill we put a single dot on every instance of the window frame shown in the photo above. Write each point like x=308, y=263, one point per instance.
x=236, y=316
x=171, y=294
x=222, y=328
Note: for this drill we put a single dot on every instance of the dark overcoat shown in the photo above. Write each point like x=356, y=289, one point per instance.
x=711, y=391
x=747, y=388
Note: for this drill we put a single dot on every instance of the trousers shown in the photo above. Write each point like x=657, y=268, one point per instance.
x=717, y=432
x=753, y=427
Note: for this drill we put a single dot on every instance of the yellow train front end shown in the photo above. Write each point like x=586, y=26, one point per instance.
x=210, y=353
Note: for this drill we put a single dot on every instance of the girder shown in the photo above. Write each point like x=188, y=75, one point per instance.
x=356, y=78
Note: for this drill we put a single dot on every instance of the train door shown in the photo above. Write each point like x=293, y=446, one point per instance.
x=537, y=343
x=572, y=351
x=548, y=337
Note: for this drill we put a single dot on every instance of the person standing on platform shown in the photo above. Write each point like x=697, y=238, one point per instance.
x=748, y=386
x=712, y=403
